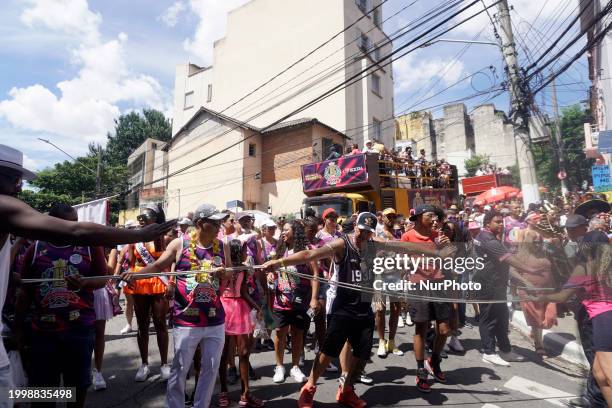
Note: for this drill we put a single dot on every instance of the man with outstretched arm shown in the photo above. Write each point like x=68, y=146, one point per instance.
x=20, y=219
x=349, y=316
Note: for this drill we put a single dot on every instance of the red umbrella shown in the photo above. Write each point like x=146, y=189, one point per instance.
x=496, y=194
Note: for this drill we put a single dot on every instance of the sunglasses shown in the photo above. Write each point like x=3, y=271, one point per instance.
x=143, y=217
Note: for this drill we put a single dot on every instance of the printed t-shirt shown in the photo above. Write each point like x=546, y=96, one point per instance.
x=57, y=308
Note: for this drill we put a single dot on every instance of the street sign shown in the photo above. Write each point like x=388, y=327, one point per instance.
x=601, y=178
x=561, y=175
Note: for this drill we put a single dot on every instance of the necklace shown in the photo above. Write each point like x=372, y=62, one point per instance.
x=201, y=264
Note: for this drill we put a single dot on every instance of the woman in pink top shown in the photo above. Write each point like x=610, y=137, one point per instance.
x=593, y=277
x=238, y=304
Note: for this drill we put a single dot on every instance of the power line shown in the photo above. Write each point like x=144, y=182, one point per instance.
x=330, y=92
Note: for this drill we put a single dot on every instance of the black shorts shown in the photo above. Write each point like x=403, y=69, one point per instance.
x=296, y=318
x=421, y=312
x=602, y=340
x=358, y=332
x=64, y=354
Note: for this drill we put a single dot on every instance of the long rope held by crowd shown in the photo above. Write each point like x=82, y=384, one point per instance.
x=398, y=294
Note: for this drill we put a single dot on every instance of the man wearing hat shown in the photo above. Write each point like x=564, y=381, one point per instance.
x=184, y=224
x=369, y=147
x=20, y=219
x=199, y=318
x=350, y=316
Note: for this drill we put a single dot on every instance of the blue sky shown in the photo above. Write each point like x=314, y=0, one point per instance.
x=71, y=66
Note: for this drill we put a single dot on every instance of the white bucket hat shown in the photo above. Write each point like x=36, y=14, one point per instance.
x=13, y=159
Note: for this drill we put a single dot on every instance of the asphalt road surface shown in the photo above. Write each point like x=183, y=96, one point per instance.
x=470, y=381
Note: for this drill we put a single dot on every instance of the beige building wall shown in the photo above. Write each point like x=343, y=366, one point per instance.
x=215, y=181
x=191, y=85
x=283, y=197
x=253, y=51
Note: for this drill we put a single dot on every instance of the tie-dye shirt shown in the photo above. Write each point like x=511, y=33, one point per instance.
x=198, y=304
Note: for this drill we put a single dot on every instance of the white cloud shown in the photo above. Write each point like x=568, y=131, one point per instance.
x=83, y=108
x=212, y=25
x=170, y=16
x=68, y=16
x=527, y=9
x=411, y=72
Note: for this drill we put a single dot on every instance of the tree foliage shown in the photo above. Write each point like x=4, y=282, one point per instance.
x=72, y=182
x=132, y=129
x=477, y=161
x=577, y=166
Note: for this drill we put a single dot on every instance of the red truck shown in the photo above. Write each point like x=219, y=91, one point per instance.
x=472, y=186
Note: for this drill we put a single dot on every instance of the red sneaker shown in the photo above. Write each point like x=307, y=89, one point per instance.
x=306, y=396
x=421, y=380
x=437, y=373
x=346, y=396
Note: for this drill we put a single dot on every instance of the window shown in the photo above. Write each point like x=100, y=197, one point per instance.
x=376, y=84
x=375, y=54
x=188, y=100
x=209, y=94
x=363, y=42
x=252, y=150
x=378, y=18
x=362, y=5
x=376, y=128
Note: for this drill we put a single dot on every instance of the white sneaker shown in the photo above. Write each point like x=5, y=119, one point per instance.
x=142, y=373
x=279, y=374
x=127, y=329
x=297, y=374
x=455, y=345
x=382, y=348
x=495, y=359
x=409, y=321
x=98, y=380
x=400, y=322
x=165, y=372
x=331, y=368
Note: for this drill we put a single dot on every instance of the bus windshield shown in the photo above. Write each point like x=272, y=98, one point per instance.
x=342, y=206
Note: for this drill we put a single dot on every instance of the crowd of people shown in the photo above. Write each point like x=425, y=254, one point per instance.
x=227, y=288
x=402, y=168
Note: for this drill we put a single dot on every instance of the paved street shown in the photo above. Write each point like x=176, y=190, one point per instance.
x=471, y=383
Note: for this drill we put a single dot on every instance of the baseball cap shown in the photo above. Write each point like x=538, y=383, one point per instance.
x=328, y=212
x=388, y=211
x=422, y=209
x=473, y=225
x=241, y=215
x=369, y=142
x=269, y=224
x=575, y=220
x=207, y=211
x=366, y=221
x=185, y=221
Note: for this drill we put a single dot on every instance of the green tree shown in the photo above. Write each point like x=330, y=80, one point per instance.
x=577, y=166
x=132, y=129
x=43, y=201
x=472, y=165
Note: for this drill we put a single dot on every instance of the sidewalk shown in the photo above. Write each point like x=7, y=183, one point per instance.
x=561, y=340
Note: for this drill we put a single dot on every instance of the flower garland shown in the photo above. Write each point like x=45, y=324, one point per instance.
x=196, y=263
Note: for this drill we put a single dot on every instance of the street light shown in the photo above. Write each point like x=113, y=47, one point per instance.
x=451, y=40
x=75, y=160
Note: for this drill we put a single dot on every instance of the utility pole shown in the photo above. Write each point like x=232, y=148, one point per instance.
x=558, y=134
x=99, y=173
x=520, y=114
